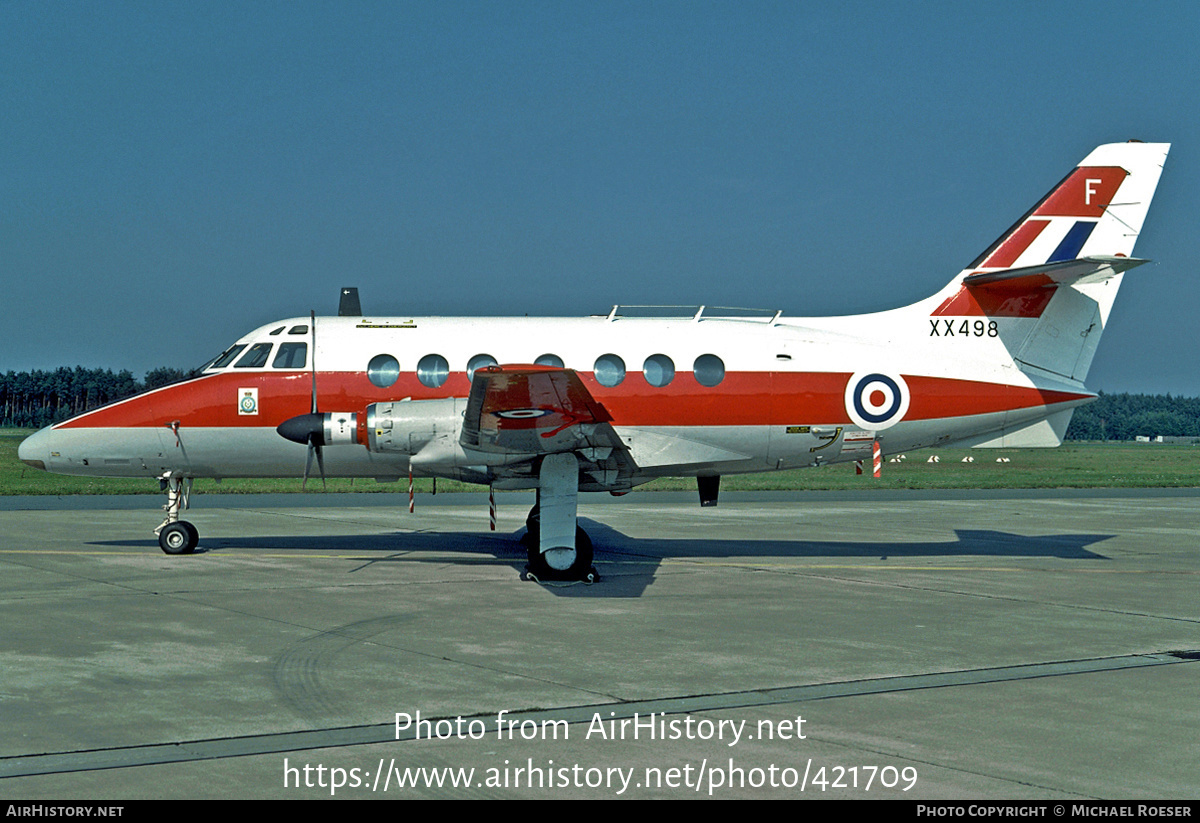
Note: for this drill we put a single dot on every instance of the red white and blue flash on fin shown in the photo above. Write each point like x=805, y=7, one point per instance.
x=1082, y=232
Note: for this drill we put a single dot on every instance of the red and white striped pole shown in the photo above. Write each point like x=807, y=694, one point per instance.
x=878, y=458
x=411, y=501
x=492, y=508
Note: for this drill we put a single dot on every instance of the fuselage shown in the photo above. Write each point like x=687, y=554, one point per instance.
x=687, y=395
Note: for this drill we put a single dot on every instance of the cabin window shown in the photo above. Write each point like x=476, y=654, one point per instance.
x=658, y=370
x=225, y=359
x=550, y=360
x=432, y=370
x=609, y=370
x=709, y=370
x=383, y=370
x=479, y=361
x=291, y=356
x=256, y=358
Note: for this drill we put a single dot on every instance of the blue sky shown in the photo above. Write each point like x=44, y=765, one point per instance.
x=175, y=174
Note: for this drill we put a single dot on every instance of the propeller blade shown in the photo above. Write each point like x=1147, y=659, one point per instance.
x=314, y=448
x=313, y=320
x=321, y=466
x=307, y=427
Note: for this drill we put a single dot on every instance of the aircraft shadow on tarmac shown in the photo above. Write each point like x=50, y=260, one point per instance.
x=627, y=565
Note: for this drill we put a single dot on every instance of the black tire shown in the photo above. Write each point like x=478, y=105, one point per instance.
x=578, y=570
x=178, y=538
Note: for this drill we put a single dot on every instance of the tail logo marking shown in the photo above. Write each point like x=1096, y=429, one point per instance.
x=1087, y=192
x=876, y=401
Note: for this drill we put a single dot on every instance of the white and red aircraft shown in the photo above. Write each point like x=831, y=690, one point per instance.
x=604, y=403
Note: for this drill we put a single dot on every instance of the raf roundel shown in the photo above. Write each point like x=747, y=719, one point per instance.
x=875, y=400
x=523, y=414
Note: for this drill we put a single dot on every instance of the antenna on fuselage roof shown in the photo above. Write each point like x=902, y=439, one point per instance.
x=349, y=305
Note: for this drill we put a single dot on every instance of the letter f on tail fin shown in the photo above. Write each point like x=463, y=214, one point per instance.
x=1049, y=282
x=1097, y=210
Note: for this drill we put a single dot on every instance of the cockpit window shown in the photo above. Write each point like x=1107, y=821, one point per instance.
x=256, y=358
x=227, y=357
x=298, y=329
x=277, y=331
x=291, y=356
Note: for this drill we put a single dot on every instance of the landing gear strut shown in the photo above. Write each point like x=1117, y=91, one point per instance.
x=176, y=536
x=558, y=548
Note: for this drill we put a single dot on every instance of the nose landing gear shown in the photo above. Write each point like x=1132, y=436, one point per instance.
x=176, y=536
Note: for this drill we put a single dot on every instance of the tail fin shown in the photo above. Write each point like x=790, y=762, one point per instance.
x=1049, y=282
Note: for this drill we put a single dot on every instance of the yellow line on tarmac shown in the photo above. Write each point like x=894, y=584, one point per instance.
x=749, y=564
x=226, y=553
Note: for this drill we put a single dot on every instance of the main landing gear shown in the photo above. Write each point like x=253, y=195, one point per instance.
x=179, y=537
x=558, y=548
x=559, y=563
x=176, y=536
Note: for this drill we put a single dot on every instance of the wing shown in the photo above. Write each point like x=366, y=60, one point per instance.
x=531, y=410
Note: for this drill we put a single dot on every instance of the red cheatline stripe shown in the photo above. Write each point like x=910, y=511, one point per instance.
x=742, y=399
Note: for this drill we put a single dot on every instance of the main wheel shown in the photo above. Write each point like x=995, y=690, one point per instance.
x=179, y=537
x=561, y=563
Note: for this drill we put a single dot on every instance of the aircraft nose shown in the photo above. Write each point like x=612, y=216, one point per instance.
x=35, y=449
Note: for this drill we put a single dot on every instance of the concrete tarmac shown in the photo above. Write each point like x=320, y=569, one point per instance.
x=935, y=645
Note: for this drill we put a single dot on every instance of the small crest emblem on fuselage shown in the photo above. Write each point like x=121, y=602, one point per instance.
x=247, y=401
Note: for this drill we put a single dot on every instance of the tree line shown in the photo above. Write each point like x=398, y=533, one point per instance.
x=1129, y=416
x=32, y=399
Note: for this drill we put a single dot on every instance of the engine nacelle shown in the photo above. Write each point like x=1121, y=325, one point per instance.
x=395, y=427
x=426, y=431
x=407, y=426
